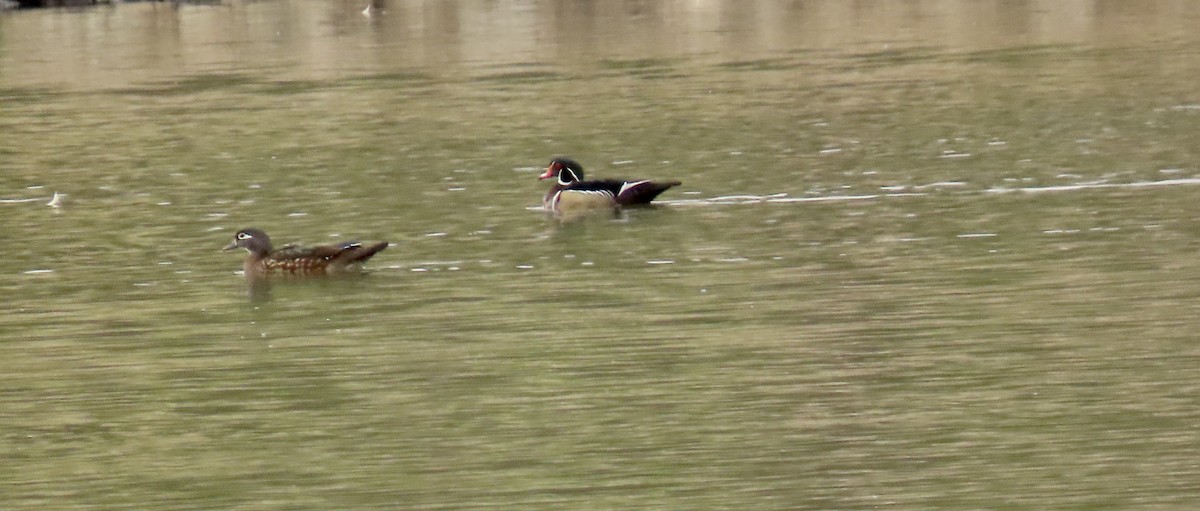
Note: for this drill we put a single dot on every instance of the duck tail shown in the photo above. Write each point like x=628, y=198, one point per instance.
x=359, y=253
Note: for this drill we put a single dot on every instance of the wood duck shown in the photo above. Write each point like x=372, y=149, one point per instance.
x=293, y=260
x=571, y=192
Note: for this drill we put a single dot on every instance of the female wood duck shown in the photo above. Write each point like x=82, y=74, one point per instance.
x=294, y=260
x=571, y=192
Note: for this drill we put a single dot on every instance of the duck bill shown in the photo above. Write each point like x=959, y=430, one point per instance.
x=548, y=174
x=231, y=246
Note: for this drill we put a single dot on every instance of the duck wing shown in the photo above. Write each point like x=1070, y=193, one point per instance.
x=642, y=192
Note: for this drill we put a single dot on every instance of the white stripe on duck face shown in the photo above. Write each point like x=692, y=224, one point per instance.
x=630, y=185
x=567, y=176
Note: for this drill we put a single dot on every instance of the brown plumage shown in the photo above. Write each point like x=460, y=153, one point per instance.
x=292, y=260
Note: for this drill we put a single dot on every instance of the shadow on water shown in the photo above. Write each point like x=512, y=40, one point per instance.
x=307, y=289
x=259, y=290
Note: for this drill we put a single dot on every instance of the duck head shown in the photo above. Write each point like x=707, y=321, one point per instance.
x=565, y=169
x=253, y=240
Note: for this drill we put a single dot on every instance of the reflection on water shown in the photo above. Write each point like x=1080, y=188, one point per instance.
x=114, y=46
x=929, y=254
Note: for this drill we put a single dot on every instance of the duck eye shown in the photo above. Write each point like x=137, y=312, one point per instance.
x=243, y=236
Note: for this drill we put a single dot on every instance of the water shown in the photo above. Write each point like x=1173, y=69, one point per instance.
x=929, y=255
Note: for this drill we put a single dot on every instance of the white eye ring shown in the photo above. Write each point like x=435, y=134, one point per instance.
x=243, y=236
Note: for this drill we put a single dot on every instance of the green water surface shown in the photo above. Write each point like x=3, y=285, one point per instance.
x=926, y=255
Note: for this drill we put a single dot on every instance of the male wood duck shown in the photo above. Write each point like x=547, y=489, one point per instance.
x=292, y=260
x=571, y=192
